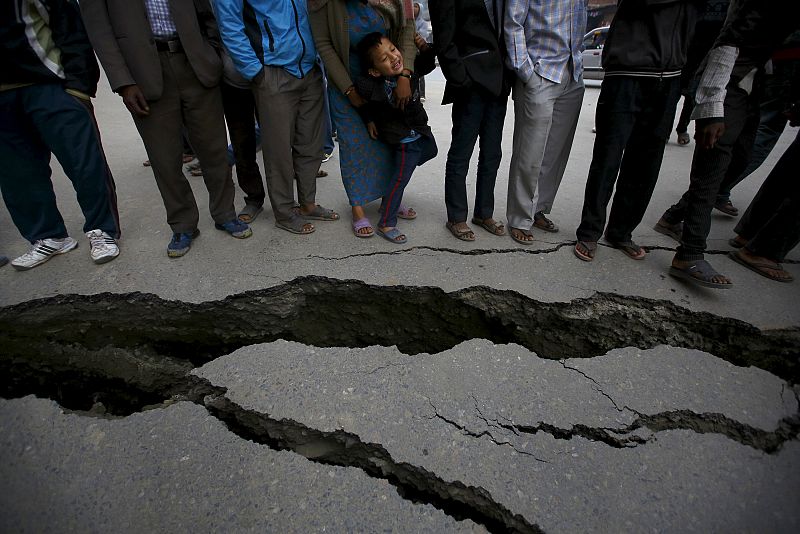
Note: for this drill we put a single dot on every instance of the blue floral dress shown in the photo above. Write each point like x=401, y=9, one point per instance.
x=366, y=164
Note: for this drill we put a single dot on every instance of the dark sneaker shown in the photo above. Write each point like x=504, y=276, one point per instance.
x=235, y=227
x=181, y=243
x=42, y=250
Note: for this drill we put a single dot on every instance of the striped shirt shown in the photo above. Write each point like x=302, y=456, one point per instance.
x=543, y=35
x=161, y=22
x=711, y=91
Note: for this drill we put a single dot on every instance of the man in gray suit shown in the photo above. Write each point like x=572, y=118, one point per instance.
x=160, y=56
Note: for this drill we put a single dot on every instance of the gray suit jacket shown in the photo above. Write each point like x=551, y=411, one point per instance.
x=121, y=36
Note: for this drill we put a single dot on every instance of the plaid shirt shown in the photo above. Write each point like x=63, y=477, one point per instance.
x=161, y=22
x=542, y=36
x=711, y=91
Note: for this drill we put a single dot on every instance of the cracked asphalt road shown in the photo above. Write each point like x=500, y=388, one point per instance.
x=448, y=387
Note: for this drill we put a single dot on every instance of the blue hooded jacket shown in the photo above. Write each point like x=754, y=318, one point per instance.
x=276, y=33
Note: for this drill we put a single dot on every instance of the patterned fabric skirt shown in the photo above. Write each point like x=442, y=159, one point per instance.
x=366, y=164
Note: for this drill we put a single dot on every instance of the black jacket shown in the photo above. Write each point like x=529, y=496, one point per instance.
x=470, y=48
x=650, y=37
x=757, y=28
x=395, y=124
x=76, y=67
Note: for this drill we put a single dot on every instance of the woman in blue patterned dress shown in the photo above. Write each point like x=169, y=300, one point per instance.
x=338, y=26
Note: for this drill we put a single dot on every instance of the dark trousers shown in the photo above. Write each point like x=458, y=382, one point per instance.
x=36, y=121
x=407, y=157
x=475, y=114
x=771, y=223
x=240, y=115
x=709, y=168
x=775, y=100
x=634, y=119
x=184, y=101
x=291, y=112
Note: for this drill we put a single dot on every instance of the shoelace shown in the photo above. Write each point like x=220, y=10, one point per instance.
x=101, y=240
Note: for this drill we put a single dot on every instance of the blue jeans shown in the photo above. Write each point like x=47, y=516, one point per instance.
x=475, y=114
x=408, y=156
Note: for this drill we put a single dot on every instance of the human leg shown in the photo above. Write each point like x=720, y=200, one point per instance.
x=407, y=156
x=772, y=221
x=161, y=133
x=67, y=126
x=307, y=139
x=533, y=118
x=708, y=170
x=641, y=162
x=615, y=118
x=467, y=115
x=240, y=110
x=566, y=110
x=25, y=180
x=204, y=118
x=490, y=138
x=772, y=121
x=279, y=110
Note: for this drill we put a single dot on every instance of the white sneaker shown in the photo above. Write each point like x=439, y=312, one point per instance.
x=104, y=247
x=41, y=251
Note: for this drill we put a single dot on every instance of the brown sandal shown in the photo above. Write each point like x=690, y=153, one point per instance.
x=490, y=225
x=463, y=235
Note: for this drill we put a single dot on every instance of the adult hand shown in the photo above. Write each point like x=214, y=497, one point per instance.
x=708, y=132
x=134, y=100
x=372, y=129
x=402, y=93
x=422, y=45
x=355, y=99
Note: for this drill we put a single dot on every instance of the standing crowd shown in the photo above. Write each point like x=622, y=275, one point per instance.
x=299, y=69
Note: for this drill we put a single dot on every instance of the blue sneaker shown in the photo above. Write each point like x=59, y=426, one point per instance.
x=181, y=243
x=236, y=228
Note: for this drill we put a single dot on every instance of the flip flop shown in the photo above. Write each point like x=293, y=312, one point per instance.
x=295, y=225
x=249, y=213
x=591, y=248
x=683, y=138
x=319, y=214
x=543, y=223
x=360, y=224
x=463, y=235
x=699, y=272
x=523, y=232
x=394, y=235
x=760, y=267
x=631, y=249
x=494, y=227
x=406, y=213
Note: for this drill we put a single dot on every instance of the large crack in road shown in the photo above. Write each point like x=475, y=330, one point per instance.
x=115, y=355
x=344, y=313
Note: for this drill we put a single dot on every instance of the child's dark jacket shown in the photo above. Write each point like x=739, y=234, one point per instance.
x=393, y=123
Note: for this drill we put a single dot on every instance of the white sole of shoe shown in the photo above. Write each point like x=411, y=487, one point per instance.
x=68, y=247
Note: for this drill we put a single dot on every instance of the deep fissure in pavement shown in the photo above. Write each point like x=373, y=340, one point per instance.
x=112, y=354
x=340, y=313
